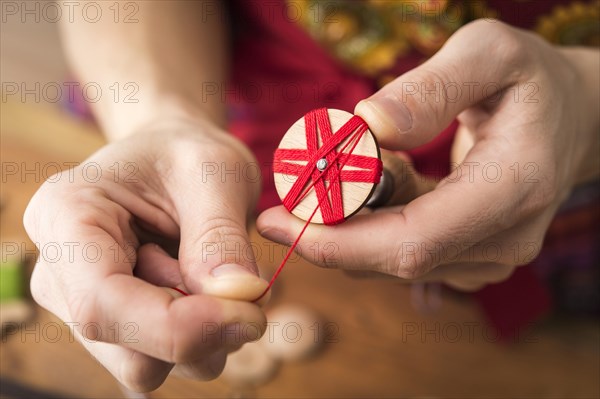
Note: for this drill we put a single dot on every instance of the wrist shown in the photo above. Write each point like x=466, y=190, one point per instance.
x=120, y=120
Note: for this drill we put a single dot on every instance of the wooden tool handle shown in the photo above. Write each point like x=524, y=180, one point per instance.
x=400, y=182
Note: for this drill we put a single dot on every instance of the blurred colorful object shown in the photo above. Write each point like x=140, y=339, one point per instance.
x=13, y=308
x=11, y=280
x=370, y=36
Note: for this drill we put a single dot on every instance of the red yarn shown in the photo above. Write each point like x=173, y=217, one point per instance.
x=180, y=291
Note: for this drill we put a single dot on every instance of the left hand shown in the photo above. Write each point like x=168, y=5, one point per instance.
x=529, y=133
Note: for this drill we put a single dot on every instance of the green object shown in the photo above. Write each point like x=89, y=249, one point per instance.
x=11, y=281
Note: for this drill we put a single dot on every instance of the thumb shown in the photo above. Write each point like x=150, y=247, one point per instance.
x=415, y=107
x=215, y=253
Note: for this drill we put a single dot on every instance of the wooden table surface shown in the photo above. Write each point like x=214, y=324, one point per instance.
x=384, y=347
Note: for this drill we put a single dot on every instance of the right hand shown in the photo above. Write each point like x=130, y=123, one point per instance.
x=107, y=280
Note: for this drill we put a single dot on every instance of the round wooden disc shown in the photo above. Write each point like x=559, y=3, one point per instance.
x=354, y=195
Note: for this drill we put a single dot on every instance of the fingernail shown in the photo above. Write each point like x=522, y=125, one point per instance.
x=391, y=110
x=276, y=235
x=230, y=270
x=231, y=281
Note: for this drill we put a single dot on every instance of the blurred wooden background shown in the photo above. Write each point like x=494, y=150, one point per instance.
x=377, y=353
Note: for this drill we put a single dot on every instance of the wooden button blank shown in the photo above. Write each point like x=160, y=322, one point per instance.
x=354, y=195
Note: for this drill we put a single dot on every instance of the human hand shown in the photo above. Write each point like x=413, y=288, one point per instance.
x=162, y=185
x=529, y=132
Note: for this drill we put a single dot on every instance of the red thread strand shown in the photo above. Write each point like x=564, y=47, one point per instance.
x=180, y=291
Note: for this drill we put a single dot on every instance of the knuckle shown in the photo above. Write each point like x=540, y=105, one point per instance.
x=509, y=44
x=188, y=345
x=218, y=232
x=544, y=192
x=325, y=253
x=31, y=216
x=38, y=286
x=321, y=258
x=511, y=49
x=30, y=220
x=206, y=369
x=413, y=260
x=185, y=348
x=483, y=27
x=136, y=375
x=421, y=97
x=492, y=29
x=219, y=229
x=82, y=312
x=215, y=366
x=408, y=271
x=180, y=344
x=406, y=267
x=53, y=200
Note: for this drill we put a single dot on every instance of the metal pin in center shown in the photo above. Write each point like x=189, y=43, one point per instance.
x=322, y=164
